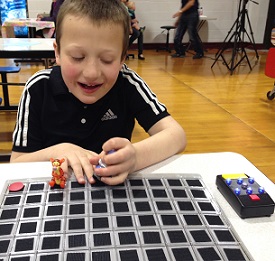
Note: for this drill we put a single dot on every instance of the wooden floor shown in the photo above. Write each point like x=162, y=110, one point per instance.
x=219, y=111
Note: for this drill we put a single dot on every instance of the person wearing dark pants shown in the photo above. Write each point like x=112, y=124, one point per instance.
x=137, y=34
x=136, y=31
x=187, y=20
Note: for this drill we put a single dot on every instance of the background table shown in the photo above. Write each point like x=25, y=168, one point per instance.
x=32, y=23
x=203, y=19
x=38, y=48
x=257, y=234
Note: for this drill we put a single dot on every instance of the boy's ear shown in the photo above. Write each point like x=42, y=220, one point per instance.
x=122, y=62
x=56, y=53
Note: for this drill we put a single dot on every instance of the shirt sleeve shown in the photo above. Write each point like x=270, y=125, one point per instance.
x=143, y=103
x=27, y=135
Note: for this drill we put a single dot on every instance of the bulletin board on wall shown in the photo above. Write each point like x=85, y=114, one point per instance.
x=15, y=9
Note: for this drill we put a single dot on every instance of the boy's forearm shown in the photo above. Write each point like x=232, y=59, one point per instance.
x=41, y=155
x=55, y=151
x=68, y=150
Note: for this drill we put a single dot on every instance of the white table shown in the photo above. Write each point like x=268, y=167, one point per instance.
x=257, y=234
x=39, y=48
x=31, y=23
x=203, y=19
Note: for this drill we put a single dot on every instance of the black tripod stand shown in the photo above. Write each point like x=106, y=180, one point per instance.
x=238, y=52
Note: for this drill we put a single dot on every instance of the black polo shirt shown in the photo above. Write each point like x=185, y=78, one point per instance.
x=49, y=114
x=192, y=9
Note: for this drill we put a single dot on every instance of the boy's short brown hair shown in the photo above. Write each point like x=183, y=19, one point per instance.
x=100, y=12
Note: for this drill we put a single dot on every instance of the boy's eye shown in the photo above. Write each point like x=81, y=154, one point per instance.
x=77, y=58
x=106, y=61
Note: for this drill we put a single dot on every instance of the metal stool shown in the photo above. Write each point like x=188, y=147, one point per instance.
x=130, y=55
x=4, y=71
x=167, y=28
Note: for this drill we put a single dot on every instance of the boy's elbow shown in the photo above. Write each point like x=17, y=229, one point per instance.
x=12, y=158
x=182, y=140
x=15, y=157
x=178, y=137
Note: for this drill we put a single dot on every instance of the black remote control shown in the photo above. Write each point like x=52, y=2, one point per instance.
x=245, y=195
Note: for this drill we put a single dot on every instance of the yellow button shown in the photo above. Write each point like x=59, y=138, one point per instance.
x=234, y=175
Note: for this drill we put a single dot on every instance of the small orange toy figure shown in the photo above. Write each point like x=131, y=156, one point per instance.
x=57, y=173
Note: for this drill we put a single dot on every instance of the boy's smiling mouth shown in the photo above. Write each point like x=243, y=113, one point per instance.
x=90, y=88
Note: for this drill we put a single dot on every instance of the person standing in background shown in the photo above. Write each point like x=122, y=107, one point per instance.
x=136, y=30
x=187, y=19
x=55, y=6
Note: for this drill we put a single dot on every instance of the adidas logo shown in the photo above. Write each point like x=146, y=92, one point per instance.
x=109, y=115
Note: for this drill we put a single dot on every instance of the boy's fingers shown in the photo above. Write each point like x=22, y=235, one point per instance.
x=114, y=180
x=83, y=166
x=78, y=171
x=89, y=172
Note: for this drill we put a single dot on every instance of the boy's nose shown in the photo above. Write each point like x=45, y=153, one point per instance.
x=91, y=70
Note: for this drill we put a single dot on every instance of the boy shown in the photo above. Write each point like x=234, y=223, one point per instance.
x=87, y=105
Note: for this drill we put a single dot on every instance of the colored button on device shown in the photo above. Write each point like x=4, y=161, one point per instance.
x=261, y=190
x=240, y=181
x=234, y=176
x=254, y=197
x=228, y=181
x=249, y=191
x=16, y=186
x=237, y=191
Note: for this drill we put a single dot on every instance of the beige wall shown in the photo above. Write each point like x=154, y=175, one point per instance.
x=155, y=13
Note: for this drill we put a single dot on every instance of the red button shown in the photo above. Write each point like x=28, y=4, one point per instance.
x=16, y=186
x=254, y=197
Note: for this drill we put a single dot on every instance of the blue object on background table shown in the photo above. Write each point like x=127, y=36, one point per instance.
x=15, y=9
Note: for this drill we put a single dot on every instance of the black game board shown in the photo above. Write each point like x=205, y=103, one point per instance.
x=149, y=218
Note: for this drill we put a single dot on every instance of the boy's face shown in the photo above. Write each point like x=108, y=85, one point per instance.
x=90, y=57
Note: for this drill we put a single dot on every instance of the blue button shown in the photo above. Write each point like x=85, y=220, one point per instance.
x=249, y=191
x=240, y=181
x=237, y=191
x=261, y=190
x=228, y=182
x=251, y=180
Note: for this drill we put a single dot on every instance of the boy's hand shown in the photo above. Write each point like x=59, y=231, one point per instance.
x=119, y=164
x=77, y=158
